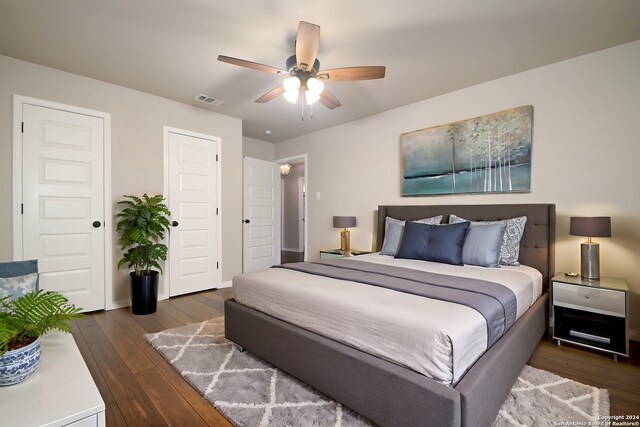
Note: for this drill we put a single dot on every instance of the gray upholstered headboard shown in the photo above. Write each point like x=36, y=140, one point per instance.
x=537, y=245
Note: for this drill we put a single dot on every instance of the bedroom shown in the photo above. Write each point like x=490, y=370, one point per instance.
x=584, y=144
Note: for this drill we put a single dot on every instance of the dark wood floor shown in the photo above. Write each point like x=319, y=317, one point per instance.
x=288, y=256
x=140, y=388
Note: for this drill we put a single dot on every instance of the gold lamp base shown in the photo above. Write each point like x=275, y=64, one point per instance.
x=345, y=244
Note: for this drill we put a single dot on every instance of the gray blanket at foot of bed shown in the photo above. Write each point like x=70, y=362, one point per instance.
x=495, y=302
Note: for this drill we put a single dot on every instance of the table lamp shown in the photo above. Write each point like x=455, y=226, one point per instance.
x=595, y=226
x=344, y=222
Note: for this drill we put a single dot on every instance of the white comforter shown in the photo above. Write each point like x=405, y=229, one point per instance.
x=436, y=338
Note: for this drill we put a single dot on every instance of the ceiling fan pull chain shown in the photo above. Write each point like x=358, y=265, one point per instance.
x=302, y=111
x=311, y=111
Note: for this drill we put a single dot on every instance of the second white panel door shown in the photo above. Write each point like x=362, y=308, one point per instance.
x=192, y=200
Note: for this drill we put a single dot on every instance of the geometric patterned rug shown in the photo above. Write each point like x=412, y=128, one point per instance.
x=541, y=398
x=250, y=392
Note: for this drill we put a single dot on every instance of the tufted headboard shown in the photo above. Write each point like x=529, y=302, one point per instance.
x=536, y=246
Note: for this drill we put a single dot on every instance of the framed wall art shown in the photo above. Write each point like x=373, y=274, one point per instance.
x=486, y=154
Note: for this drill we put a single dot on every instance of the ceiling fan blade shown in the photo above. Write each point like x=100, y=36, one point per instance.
x=353, y=73
x=329, y=100
x=307, y=43
x=270, y=95
x=252, y=65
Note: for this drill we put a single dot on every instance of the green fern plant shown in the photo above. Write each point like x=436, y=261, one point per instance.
x=24, y=319
x=142, y=224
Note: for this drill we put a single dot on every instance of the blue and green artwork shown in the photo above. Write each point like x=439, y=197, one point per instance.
x=487, y=154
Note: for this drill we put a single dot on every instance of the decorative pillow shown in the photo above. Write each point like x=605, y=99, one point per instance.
x=15, y=287
x=437, y=243
x=510, y=249
x=434, y=220
x=482, y=244
x=393, y=232
x=392, y=238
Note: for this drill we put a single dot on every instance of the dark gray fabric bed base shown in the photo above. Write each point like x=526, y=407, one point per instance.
x=384, y=392
x=486, y=385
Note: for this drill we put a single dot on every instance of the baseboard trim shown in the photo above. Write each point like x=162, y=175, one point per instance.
x=114, y=305
x=293, y=250
x=226, y=284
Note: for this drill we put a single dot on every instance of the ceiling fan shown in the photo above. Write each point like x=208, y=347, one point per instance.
x=303, y=71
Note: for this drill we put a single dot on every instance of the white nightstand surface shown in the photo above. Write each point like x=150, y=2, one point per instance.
x=61, y=391
x=604, y=282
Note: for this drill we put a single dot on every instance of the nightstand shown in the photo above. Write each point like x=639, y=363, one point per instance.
x=591, y=313
x=337, y=253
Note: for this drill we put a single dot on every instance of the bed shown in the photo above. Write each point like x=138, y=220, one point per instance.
x=386, y=392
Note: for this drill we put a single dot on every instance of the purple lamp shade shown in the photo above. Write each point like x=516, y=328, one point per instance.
x=593, y=226
x=344, y=221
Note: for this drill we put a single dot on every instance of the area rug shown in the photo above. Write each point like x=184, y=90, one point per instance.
x=250, y=392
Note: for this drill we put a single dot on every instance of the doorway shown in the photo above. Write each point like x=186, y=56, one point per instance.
x=192, y=189
x=294, y=208
x=62, y=199
x=261, y=215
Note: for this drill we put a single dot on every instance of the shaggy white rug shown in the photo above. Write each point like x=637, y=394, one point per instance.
x=250, y=392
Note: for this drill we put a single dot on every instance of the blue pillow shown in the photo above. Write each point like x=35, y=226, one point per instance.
x=392, y=238
x=510, y=249
x=482, y=244
x=393, y=232
x=437, y=243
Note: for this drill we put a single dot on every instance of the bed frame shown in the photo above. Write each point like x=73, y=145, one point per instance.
x=389, y=394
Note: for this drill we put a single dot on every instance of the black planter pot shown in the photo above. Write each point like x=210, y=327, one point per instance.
x=144, y=293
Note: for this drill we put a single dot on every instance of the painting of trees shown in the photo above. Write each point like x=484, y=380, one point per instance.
x=485, y=154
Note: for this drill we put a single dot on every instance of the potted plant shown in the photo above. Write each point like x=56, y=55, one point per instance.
x=143, y=222
x=22, y=322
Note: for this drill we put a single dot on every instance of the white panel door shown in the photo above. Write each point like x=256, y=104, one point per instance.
x=192, y=200
x=63, y=187
x=261, y=223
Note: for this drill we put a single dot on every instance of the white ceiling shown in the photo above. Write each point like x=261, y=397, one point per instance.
x=430, y=47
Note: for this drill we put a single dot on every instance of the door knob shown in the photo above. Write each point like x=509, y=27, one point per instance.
x=247, y=221
x=97, y=224
x=174, y=223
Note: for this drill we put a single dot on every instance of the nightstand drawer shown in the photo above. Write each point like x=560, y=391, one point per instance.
x=603, y=301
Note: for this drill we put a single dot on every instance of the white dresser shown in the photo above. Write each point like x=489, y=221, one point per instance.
x=61, y=392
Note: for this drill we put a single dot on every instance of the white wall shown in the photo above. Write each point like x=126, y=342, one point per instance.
x=586, y=154
x=137, y=119
x=258, y=149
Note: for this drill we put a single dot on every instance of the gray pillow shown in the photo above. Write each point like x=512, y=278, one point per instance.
x=15, y=287
x=510, y=249
x=393, y=232
x=392, y=238
x=434, y=220
x=482, y=244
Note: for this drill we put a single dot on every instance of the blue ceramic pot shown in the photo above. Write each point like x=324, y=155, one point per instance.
x=17, y=365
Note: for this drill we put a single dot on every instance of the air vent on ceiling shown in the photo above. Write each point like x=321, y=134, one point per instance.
x=208, y=100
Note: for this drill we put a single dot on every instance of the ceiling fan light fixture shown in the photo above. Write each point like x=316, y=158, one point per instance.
x=291, y=96
x=315, y=86
x=311, y=97
x=291, y=87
